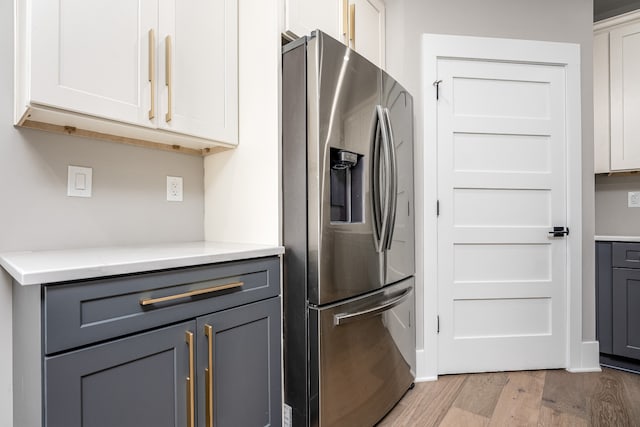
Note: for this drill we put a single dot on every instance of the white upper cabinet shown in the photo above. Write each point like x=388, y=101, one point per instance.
x=360, y=24
x=92, y=59
x=138, y=70
x=365, y=27
x=624, y=45
x=616, y=94
x=197, y=73
x=304, y=16
x=601, y=110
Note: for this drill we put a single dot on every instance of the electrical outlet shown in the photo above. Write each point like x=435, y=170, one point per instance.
x=174, y=188
x=633, y=199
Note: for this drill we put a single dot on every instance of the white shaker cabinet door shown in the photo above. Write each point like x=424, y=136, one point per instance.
x=367, y=29
x=93, y=57
x=625, y=97
x=198, y=68
x=304, y=16
x=601, y=110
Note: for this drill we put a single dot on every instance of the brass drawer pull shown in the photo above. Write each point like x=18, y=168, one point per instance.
x=190, y=384
x=168, y=77
x=149, y=301
x=152, y=72
x=208, y=378
x=352, y=25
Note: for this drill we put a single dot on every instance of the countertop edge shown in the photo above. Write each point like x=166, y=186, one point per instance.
x=22, y=266
x=617, y=238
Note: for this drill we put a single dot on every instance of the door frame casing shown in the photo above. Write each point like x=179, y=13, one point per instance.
x=566, y=55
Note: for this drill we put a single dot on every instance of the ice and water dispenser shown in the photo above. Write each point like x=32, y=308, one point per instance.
x=347, y=176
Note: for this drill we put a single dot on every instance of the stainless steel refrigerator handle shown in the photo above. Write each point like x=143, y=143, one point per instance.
x=342, y=318
x=381, y=213
x=393, y=180
x=375, y=182
x=384, y=131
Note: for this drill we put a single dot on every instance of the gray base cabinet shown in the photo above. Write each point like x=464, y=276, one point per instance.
x=132, y=382
x=242, y=344
x=618, y=303
x=187, y=347
x=626, y=313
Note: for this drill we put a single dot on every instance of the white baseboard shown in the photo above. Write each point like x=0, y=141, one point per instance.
x=589, y=356
x=423, y=373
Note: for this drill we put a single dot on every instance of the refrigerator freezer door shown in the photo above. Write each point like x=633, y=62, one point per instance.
x=343, y=90
x=366, y=350
x=398, y=103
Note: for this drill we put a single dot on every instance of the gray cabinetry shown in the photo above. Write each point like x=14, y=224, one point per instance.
x=130, y=382
x=197, y=346
x=618, y=303
x=626, y=313
x=243, y=346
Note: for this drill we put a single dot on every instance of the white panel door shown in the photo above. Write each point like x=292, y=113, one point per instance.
x=93, y=57
x=198, y=71
x=501, y=188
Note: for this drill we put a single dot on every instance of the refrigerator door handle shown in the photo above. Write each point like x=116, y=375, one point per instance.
x=381, y=163
x=393, y=182
x=343, y=318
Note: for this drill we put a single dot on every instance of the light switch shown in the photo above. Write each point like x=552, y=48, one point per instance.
x=79, y=181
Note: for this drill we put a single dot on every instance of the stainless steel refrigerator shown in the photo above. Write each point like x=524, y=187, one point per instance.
x=347, y=163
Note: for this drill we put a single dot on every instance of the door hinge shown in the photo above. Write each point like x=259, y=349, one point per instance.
x=438, y=324
x=437, y=207
x=437, y=85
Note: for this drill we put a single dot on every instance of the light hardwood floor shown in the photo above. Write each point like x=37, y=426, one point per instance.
x=609, y=398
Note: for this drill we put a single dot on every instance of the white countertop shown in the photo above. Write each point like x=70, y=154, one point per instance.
x=618, y=238
x=31, y=268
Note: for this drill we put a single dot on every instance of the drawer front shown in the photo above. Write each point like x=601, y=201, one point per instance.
x=80, y=313
x=626, y=255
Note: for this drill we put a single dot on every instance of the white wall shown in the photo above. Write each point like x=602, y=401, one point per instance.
x=613, y=216
x=242, y=186
x=128, y=204
x=549, y=20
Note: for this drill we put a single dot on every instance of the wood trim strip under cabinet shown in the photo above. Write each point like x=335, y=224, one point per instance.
x=71, y=130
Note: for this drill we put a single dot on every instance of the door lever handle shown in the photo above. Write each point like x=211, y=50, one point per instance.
x=559, y=231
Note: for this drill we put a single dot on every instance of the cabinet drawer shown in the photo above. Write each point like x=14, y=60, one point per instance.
x=79, y=313
x=626, y=255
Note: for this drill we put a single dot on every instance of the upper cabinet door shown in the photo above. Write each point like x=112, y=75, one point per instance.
x=625, y=97
x=304, y=16
x=198, y=68
x=366, y=34
x=601, y=110
x=93, y=57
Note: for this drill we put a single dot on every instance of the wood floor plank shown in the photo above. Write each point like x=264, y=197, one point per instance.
x=542, y=398
x=520, y=401
x=553, y=418
x=457, y=417
x=631, y=384
x=606, y=404
x=480, y=393
x=565, y=392
x=431, y=404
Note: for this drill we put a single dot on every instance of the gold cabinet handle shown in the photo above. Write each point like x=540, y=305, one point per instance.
x=345, y=21
x=167, y=67
x=208, y=377
x=149, y=301
x=352, y=25
x=152, y=72
x=190, y=384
